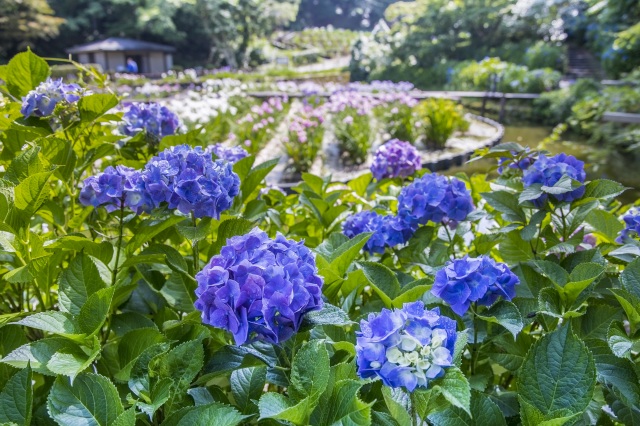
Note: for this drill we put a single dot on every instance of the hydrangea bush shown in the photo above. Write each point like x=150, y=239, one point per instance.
x=169, y=287
x=153, y=120
x=396, y=159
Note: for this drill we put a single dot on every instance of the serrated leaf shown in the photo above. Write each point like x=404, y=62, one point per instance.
x=630, y=278
x=95, y=105
x=92, y=400
x=246, y=386
x=95, y=310
x=383, y=281
x=25, y=72
x=77, y=282
x=506, y=203
x=179, y=291
x=32, y=192
x=309, y=372
x=397, y=410
x=276, y=406
x=558, y=373
x=52, y=322
x=16, y=398
x=484, y=412
x=255, y=176
x=205, y=415
x=132, y=345
x=455, y=387
x=328, y=315
x=619, y=342
x=603, y=188
x=344, y=255
x=506, y=314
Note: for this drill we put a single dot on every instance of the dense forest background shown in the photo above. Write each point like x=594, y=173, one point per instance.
x=424, y=38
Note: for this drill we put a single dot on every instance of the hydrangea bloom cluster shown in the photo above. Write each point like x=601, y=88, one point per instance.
x=481, y=280
x=547, y=171
x=388, y=231
x=259, y=288
x=632, y=225
x=520, y=164
x=434, y=198
x=115, y=188
x=406, y=347
x=42, y=101
x=395, y=159
x=232, y=154
x=155, y=120
x=188, y=179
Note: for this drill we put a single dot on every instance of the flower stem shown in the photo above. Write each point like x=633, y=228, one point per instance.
x=474, y=350
x=119, y=246
x=415, y=420
x=194, y=248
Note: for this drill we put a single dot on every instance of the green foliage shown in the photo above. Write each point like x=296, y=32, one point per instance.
x=440, y=119
x=545, y=55
x=354, y=135
x=494, y=74
x=98, y=325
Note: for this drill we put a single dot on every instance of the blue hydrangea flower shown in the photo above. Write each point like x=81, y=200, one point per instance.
x=231, y=154
x=395, y=159
x=522, y=164
x=405, y=347
x=155, y=120
x=467, y=280
x=189, y=180
x=42, y=101
x=115, y=187
x=434, y=198
x=632, y=226
x=547, y=171
x=259, y=288
x=388, y=231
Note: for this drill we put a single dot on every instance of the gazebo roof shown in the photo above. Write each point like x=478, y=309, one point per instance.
x=117, y=44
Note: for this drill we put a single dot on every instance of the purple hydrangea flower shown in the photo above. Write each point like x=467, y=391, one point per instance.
x=259, y=288
x=116, y=186
x=232, y=154
x=42, y=101
x=547, y=171
x=434, y=198
x=155, y=120
x=190, y=180
x=467, y=280
x=395, y=159
x=388, y=231
x=632, y=225
x=405, y=347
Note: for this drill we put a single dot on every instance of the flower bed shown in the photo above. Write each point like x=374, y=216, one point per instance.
x=155, y=279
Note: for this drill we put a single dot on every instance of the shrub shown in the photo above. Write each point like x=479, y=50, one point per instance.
x=438, y=119
x=546, y=55
x=304, y=139
x=354, y=135
x=504, y=77
x=554, y=107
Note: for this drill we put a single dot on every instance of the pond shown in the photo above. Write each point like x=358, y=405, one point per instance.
x=600, y=165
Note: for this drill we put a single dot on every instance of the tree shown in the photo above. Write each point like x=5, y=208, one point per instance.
x=23, y=22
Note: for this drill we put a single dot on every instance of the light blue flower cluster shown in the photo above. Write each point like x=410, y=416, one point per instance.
x=481, y=280
x=406, y=347
x=115, y=188
x=232, y=154
x=258, y=288
x=189, y=180
x=434, y=198
x=42, y=101
x=395, y=159
x=547, y=171
x=155, y=120
x=388, y=231
x=631, y=226
x=184, y=178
